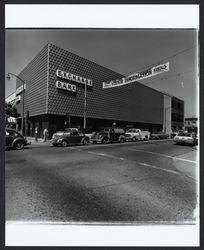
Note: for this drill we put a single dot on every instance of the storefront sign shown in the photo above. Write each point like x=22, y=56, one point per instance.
x=18, y=98
x=75, y=78
x=138, y=76
x=20, y=89
x=65, y=86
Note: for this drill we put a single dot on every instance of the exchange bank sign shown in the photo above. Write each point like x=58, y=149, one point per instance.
x=66, y=86
x=75, y=78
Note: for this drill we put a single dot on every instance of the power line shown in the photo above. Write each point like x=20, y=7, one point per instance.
x=166, y=78
x=161, y=60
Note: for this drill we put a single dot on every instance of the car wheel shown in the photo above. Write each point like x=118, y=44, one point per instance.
x=122, y=140
x=104, y=141
x=134, y=139
x=64, y=144
x=19, y=145
x=85, y=142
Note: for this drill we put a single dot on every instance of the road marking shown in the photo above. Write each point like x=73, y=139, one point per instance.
x=166, y=170
x=142, y=164
x=106, y=155
x=168, y=156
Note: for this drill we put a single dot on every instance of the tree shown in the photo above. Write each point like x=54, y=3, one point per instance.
x=10, y=111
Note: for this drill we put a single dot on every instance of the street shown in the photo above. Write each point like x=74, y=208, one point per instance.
x=136, y=182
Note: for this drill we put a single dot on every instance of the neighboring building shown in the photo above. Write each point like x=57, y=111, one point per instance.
x=55, y=90
x=173, y=113
x=177, y=114
x=11, y=98
x=191, y=124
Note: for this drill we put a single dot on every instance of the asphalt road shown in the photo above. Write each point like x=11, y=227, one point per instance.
x=131, y=182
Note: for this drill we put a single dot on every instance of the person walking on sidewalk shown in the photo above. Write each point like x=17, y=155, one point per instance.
x=36, y=134
x=45, y=134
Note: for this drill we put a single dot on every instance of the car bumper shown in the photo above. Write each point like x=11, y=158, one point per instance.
x=96, y=141
x=128, y=138
x=185, y=142
x=55, y=143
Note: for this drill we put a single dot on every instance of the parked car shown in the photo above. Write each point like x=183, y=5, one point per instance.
x=109, y=134
x=134, y=134
x=186, y=138
x=159, y=135
x=69, y=137
x=14, y=139
x=173, y=134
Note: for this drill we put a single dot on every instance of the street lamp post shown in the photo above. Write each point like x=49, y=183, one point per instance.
x=85, y=104
x=22, y=120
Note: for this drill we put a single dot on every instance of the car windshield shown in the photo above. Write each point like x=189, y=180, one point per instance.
x=132, y=130
x=185, y=134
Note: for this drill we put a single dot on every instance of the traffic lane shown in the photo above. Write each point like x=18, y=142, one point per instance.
x=69, y=186
x=164, y=155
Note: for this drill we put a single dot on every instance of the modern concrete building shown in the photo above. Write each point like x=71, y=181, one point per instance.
x=62, y=88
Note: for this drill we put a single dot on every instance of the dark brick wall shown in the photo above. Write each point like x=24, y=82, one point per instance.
x=35, y=76
x=132, y=102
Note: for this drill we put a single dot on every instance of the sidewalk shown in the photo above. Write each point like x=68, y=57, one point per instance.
x=40, y=142
x=31, y=140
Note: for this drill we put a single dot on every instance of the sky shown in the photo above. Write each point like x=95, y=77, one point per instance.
x=125, y=51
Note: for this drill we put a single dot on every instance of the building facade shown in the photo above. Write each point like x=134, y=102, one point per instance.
x=61, y=88
x=191, y=124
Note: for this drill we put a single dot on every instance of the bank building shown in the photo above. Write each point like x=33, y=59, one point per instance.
x=62, y=89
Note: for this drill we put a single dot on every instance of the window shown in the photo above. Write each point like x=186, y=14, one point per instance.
x=11, y=133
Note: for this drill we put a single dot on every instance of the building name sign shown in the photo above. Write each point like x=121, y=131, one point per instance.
x=65, y=86
x=18, y=98
x=20, y=89
x=75, y=78
x=138, y=76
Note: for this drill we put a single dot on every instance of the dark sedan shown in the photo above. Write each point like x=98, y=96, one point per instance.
x=69, y=137
x=14, y=139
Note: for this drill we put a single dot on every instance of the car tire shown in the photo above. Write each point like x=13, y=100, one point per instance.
x=104, y=141
x=122, y=140
x=85, y=142
x=19, y=145
x=134, y=139
x=64, y=143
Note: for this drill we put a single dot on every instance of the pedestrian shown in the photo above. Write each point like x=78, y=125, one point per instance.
x=36, y=134
x=45, y=134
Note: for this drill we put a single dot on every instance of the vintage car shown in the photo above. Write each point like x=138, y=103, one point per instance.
x=71, y=136
x=134, y=134
x=109, y=134
x=14, y=139
x=159, y=136
x=186, y=138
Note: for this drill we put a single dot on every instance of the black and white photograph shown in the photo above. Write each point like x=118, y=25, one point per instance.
x=102, y=126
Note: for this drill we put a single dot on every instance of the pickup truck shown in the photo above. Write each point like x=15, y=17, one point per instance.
x=135, y=134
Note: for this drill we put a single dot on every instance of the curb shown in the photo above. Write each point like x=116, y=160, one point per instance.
x=40, y=142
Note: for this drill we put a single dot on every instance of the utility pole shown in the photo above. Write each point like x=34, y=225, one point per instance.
x=85, y=104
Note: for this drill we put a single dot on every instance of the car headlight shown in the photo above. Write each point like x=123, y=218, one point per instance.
x=59, y=140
